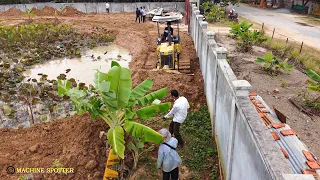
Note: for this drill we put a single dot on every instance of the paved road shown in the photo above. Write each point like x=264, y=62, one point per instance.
x=284, y=22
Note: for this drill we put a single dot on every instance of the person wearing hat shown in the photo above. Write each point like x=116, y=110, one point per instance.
x=168, y=158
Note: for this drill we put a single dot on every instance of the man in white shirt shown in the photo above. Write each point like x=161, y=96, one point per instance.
x=107, y=7
x=179, y=112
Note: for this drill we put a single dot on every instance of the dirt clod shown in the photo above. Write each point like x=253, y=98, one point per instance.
x=34, y=148
x=91, y=165
x=97, y=175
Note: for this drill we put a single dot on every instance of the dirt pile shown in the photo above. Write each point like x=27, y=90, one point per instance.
x=49, y=11
x=35, y=11
x=70, y=11
x=13, y=12
x=1, y=12
x=74, y=142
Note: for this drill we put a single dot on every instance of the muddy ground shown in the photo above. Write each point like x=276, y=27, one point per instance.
x=289, y=85
x=75, y=141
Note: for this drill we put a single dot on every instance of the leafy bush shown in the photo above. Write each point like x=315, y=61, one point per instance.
x=273, y=65
x=216, y=13
x=245, y=37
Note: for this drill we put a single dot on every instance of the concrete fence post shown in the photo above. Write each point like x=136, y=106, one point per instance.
x=196, y=24
x=242, y=88
x=221, y=53
x=202, y=47
x=196, y=12
x=199, y=21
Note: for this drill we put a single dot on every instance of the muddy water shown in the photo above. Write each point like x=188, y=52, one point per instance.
x=82, y=69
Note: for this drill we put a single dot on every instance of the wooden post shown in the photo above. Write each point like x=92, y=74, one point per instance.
x=262, y=26
x=287, y=41
x=301, y=46
x=274, y=29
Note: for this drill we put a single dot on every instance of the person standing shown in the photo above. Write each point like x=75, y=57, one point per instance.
x=141, y=14
x=138, y=15
x=179, y=111
x=107, y=7
x=144, y=14
x=168, y=158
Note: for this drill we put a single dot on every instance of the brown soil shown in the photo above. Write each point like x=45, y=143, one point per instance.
x=74, y=141
x=1, y=13
x=48, y=11
x=245, y=68
x=70, y=11
x=36, y=11
x=12, y=12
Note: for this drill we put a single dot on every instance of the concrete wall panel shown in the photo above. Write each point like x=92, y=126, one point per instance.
x=116, y=7
x=129, y=7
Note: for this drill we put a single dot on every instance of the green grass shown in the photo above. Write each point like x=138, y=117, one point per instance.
x=311, y=20
x=309, y=56
x=200, y=153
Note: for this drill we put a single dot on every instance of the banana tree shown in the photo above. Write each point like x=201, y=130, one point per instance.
x=113, y=99
x=315, y=84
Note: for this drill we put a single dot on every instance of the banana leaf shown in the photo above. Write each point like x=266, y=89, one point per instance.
x=142, y=89
x=144, y=132
x=149, y=98
x=150, y=111
x=121, y=84
x=63, y=87
x=313, y=75
x=116, y=140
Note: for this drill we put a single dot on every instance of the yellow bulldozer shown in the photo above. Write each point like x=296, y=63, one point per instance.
x=168, y=45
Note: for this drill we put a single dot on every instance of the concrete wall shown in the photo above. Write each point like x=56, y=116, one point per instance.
x=245, y=145
x=99, y=7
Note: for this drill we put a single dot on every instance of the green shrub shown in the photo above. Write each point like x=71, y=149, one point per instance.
x=273, y=65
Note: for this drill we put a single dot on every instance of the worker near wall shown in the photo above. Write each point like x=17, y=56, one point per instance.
x=138, y=15
x=166, y=31
x=168, y=158
x=107, y=7
x=141, y=14
x=144, y=14
x=179, y=112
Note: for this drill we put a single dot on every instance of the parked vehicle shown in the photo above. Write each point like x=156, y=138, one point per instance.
x=233, y=16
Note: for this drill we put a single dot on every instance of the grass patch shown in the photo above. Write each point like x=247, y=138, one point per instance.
x=200, y=153
x=311, y=20
x=309, y=56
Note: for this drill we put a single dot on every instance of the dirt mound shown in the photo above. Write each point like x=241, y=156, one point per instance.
x=1, y=13
x=74, y=142
x=70, y=11
x=13, y=12
x=35, y=11
x=49, y=11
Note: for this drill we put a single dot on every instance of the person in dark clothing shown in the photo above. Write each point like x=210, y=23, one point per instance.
x=166, y=31
x=138, y=15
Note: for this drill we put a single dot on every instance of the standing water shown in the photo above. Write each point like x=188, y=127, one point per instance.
x=82, y=69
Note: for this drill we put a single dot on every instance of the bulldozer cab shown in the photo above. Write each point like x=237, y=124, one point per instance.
x=168, y=44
